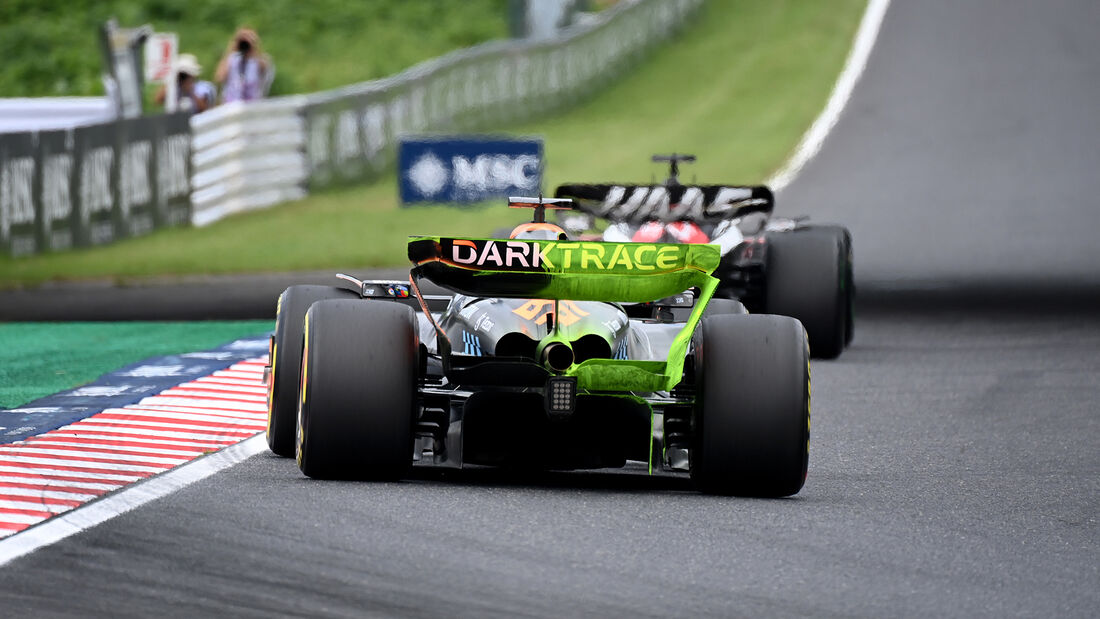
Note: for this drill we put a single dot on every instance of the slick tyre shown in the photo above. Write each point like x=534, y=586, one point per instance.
x=809, y=277
x=286, y=358
x=751, y=423
x=720, y=307
x=358, y=394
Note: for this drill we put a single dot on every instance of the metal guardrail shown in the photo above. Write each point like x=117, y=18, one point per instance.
x=247, y=156
x=255, y=155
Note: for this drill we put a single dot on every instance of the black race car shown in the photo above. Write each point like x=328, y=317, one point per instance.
x=546, y=353
x=772, y=265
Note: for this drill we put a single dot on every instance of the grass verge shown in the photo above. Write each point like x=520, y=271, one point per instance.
x=37, y=359
x=737, y=88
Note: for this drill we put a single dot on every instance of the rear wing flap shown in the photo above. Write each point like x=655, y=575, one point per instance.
x=573, y=270
x=701, y=204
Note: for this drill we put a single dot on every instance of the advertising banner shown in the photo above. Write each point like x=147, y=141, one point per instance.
x=97, y=174
x=57, y=190
x=135, y=205
x=466, y=169
x=173, y=169
x=351, y=139
x=18, y=179
x=95, y=184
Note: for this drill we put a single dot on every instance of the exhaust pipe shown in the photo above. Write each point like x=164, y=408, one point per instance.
x=557, y=356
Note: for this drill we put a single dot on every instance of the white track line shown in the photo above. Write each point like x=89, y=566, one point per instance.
x=101, y=510
x=842, y=91
x=115, y=448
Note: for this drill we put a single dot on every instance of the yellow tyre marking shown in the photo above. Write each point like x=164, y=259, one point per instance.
x=299, y=432
x=271, y=388
x=274, y=359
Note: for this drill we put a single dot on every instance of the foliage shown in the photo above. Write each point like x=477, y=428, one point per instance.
x=51, y=47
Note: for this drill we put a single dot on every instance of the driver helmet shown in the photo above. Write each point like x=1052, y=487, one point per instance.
x=539, y=231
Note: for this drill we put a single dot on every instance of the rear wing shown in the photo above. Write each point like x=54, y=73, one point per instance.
x=701, y=204
x=578, y=271
x=573, y=270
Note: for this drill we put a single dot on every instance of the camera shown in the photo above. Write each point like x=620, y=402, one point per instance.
x=243, y=46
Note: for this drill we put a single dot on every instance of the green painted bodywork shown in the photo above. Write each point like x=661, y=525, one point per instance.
x=580, y=271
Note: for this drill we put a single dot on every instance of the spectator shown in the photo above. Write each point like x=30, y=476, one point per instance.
x=192, y=94
x=245, y=71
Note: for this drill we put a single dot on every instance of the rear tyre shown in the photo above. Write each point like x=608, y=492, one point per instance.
x=809, y=277
x=286, y=359
x=358, y=394
x=720, y=307
x=751, y=424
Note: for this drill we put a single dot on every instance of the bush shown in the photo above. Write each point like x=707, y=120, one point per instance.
x=51, y=47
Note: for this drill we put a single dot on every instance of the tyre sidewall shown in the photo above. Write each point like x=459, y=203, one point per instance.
x=752, y=414
x=282, y=396
x=359, y=377
x=809, y=278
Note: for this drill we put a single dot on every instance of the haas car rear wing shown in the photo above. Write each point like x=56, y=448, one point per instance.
x=637, y=204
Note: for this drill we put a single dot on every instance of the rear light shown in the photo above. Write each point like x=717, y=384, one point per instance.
x=561, y=395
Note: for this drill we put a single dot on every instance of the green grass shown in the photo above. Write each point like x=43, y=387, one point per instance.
x=37, y=359
x=737, y=88
x=51, y=47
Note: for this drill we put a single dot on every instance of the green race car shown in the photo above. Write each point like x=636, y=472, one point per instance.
x=548, y=353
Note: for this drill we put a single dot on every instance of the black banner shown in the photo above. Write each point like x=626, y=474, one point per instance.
x=135, y=199
x=96, y=181
x=57, y=190
x=92, y=185
x=18, y=177
x=354, y=138
x=172, y=135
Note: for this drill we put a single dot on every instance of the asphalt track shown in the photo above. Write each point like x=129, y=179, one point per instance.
x=955, y=467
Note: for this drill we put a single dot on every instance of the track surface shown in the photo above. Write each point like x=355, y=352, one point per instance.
x=955, y=468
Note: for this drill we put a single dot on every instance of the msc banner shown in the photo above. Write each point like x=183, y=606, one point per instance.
x=468, y=169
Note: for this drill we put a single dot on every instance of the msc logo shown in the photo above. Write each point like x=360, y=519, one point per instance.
x=555, y=255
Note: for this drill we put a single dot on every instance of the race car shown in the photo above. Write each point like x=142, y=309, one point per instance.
x=547, y=353
x=772, y=265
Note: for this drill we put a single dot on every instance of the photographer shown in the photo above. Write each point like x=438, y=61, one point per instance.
x=192, y=94
x=244, y=71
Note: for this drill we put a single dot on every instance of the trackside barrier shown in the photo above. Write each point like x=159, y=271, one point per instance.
x=92, y=185
x=249, y=156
